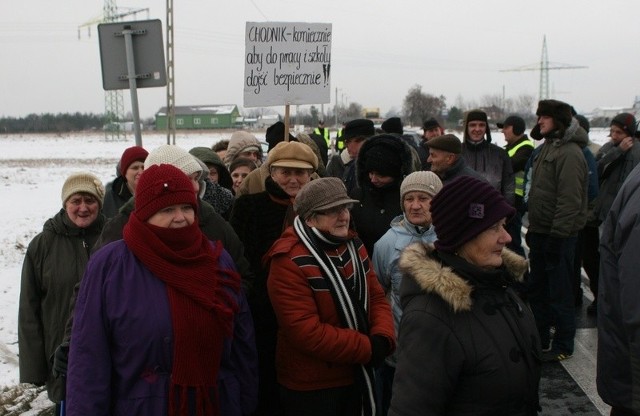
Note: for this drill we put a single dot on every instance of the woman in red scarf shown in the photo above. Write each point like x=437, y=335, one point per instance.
x=161, y=326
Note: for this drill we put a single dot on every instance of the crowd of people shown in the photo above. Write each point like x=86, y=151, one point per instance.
x=372, y=274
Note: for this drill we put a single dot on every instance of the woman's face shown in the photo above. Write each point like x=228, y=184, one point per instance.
x=417, y=208
x=133, y=174
x=82, y=209
x=238, y=176
x=291, y=180
x=174, y=216
x=334, y=221
x=485, y=250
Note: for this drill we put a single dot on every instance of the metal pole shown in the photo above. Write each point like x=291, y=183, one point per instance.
x=131, y=73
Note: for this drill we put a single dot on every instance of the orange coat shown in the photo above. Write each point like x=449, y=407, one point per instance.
x=315, y=351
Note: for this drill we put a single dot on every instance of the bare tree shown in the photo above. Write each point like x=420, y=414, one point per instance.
x=419, y=106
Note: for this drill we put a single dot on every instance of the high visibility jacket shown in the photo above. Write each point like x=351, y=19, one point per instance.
x=324, y=133
x=339, y=141
x=519, y=176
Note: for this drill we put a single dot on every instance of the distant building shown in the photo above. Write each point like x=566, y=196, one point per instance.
x=223, y=116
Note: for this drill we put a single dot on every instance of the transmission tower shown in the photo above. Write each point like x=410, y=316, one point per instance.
x=544, y=68
x=113, y=101
x=171, y=103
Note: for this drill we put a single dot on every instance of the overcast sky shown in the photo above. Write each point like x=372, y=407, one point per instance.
x=380, y=49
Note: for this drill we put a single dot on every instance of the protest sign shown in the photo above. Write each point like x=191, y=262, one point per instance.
x=287, y=63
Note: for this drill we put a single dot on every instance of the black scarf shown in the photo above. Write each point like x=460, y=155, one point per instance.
x=351, y=304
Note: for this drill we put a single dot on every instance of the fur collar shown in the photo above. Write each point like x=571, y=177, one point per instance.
x=433, y=277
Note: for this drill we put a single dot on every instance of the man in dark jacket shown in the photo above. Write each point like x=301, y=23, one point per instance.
x=519, y=148
x=618, y=372
x=557, y=212
x=445, y=159
x=486, y=158
x=342, y=165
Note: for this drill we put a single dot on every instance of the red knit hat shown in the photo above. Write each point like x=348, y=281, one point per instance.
x=464, y=208
x=130, y=155
x=161, y=186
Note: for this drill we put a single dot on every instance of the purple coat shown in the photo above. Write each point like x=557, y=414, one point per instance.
x=122, y=343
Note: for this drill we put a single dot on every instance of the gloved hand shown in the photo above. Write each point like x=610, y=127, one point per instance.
x=553, y=250
x=379, y=350
x=60, y=358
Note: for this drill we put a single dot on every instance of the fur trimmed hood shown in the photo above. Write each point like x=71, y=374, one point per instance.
x=433, y=277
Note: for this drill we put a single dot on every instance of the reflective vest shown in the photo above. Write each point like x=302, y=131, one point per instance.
x=339, y=141
x=519, y=175
x=324, y=134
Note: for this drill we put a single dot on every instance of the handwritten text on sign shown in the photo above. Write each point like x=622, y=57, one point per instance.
x=287, y=63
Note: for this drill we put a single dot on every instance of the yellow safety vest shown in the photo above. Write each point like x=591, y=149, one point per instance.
x=325, y=135
x=339, y=142
x=519, y=175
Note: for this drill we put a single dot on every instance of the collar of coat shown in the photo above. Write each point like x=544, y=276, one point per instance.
x=434, y=277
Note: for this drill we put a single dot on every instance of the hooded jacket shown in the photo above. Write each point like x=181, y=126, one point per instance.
x=468, y=345
x=614, y=166
x=557, y=199
x=240, y=142
x=116, y=194
x=378, y=206
x=386, y=257
x=55, y=262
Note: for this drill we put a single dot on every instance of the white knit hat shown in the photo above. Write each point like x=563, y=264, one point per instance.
x=84, y=182
x=173, y=155
x=422, y=181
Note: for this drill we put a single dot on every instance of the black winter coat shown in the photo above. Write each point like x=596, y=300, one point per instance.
x=468, y=345
x=116, y=194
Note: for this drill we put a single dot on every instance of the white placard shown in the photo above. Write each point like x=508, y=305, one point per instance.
x=287, y=63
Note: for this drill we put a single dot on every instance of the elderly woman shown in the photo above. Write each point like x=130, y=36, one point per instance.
x=243, y=144
x=161, y=326
x=468, y=345
x=259, y=220
x=54, y=263
x=335, y=324
x=123, y=187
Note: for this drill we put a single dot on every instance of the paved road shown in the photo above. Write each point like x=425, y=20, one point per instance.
x=569, y=387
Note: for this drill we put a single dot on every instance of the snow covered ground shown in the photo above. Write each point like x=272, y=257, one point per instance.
x=32, y=171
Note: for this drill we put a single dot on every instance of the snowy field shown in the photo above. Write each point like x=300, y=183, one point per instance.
x=32, y=171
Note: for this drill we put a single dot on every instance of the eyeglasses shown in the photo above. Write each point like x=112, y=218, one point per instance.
x=334, y=212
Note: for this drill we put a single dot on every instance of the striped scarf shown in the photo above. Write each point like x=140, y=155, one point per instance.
x=351, y=304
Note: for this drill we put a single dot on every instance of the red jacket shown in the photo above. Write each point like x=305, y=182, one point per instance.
x=315, y=351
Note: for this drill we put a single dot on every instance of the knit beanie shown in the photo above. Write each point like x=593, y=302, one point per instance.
x=162, y=186
x=384, y=160
x=292, y=155
x=464, y=208
x=392, y=125
x=130, y=155
x=447, y=142
x=476, y=115
x=84, y=182
x=319, y=195
x=173, y=155
x=558, y=110
x=626, y=122
x=421, y=181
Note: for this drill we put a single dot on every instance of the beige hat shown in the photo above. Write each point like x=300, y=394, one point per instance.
x=292, y=155
x=84, y=182
x=319, y=195
x=421, y=181
x=173, y=155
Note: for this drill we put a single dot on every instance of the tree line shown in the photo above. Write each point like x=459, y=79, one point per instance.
x=52, y=123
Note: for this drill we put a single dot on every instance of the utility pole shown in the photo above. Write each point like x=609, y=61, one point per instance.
x=171, y=98
x=544, y=67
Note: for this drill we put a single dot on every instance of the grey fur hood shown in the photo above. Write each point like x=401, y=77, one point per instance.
x=433, y=277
